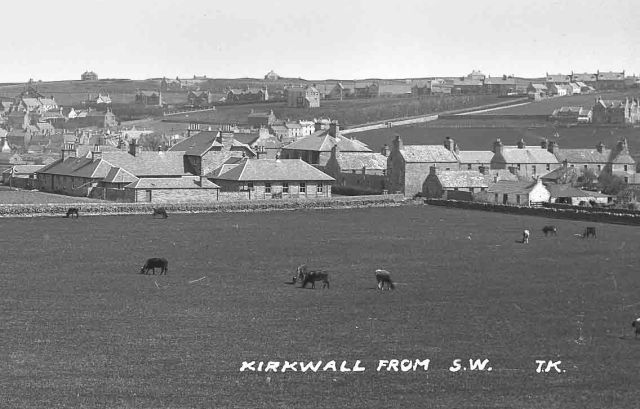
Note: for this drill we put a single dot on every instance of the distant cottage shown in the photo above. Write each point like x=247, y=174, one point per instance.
x=89, y=76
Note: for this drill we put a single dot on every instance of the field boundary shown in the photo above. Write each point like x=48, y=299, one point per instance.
x=612, y=216
x=102, y=209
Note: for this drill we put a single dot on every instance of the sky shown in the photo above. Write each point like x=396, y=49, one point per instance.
x=316, y=40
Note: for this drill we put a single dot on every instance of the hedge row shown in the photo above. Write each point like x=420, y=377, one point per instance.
x=573, y=213
x=31, y=210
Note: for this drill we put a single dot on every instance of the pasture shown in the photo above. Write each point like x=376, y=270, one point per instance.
x=81, y=328
x=10, y=196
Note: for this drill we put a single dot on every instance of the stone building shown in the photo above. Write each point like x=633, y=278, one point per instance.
x=303, y=97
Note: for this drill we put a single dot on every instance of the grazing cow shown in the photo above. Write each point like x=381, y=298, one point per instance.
x=73, y=211
x=525, y=236
x=553, y=230
x=154, y=263
x=636, y=324
x=589, y=232
x=384, y=277
x=313, y=276
x=160, y=211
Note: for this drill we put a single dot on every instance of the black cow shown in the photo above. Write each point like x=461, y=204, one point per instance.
x=636, y=324
x=313, y=276
x=73, y=211
x=553, y=230
x=154, y=263
x=589, y=232
x=160, y=211
x=384, y=277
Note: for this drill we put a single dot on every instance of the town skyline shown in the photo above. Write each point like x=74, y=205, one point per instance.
x=339, y=41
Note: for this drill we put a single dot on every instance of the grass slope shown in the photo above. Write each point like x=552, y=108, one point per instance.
x=80, y=327
x=33, y=197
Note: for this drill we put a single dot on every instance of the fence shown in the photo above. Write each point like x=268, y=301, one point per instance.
x=186, y=111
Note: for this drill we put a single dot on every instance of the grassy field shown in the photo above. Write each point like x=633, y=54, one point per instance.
x=33, y=197
x=80, y=327
x=546, y=107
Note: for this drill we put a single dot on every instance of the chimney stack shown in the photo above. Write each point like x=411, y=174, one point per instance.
x=433, y=171
x=397, y=143
x=203, y=180
x=553, y=147
x=96, y=153
x=134, y=148
x=544, y=144
x=497, y=146
x=69, y=151
x=521, y=144
x=334, y=129
x=600, y=147
x=385, y=150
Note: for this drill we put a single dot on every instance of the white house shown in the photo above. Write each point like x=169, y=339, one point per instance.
x=518, y=193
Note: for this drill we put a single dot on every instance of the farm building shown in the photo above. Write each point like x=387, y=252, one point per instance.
x=558, y=78
x=303, y=97
x=172, y=190
x=89, y=76
x=505, y=85
x=409, y=165
x=316, y=148
x=358, y=169
x=273, y=179
x=454, y=184
x=207, y=150
x=554, y=89
x=516, y=193
x=527, y=162
x=610, y=80
x=567, y=194
x=21, y=176
x=537, y=91
x=572, y=115
x=234, y=95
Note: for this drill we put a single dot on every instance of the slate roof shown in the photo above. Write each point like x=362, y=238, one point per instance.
x=528, y=155
x=539, y=87
x=247, y=138
x=509, y=187
x=558, y=78
x=172, y=183
x=274, y=170
x=584, y=77
x=565, y=190
x=229, y=164
x=26, y=169
x=321, y=141
x=583, y=155
x=477, y=157
x=198, y=144
x=119, y=175
x=357, y=160
x=450, y=179
x=560, y=172
x=610, y=76
x=31, y=103
x=611, y=103
x=427, y=153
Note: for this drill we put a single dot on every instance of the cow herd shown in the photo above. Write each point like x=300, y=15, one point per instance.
x=306, y=276
x=553, y=231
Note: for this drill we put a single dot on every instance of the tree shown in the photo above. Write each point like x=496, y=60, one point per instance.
x=588, y=180
x=152, y=141
x=611, y=184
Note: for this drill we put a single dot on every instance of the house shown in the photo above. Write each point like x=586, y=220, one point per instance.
x=526, y=162
x=454, y=184
x=315, y=149
x=103, y=100
x=358, y=169
x=616, y=161
x=516, y=193
x=475, y=160
x=200, y=99
x=505, y=85
x=149, y=98
x=89, y=76
x=584, y=88
x=567, y=194
x=340, y=91
x=558, y=78
x=610, y=80
x=207, y=150
x=537, y=91
x=409, y=165
x=625, y=111
x=303, y=97
x=552, y=89
x=21, y=176
x=235, y=95
x=440, y=86
x=78, y=175
x=261, y=119
x=274, y=178
x=575, y=88
x=466, y=86
x=476, y=75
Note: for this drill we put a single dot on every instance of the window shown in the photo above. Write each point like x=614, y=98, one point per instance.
x=548, y=166
x=626, y=168
x=147, y=195
x=626, y=180
x=285, y=187
x=496, y=198
x=518, y=165
x=469, y=166
x=250, y=185
x=533, y=169
x=267, y=187
x=518, y=199
x=303, y=187
x=320, y=187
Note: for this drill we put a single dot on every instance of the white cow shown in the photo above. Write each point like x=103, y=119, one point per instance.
x=525, y=236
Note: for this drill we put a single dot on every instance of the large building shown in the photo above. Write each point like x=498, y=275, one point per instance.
x=303, y=97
